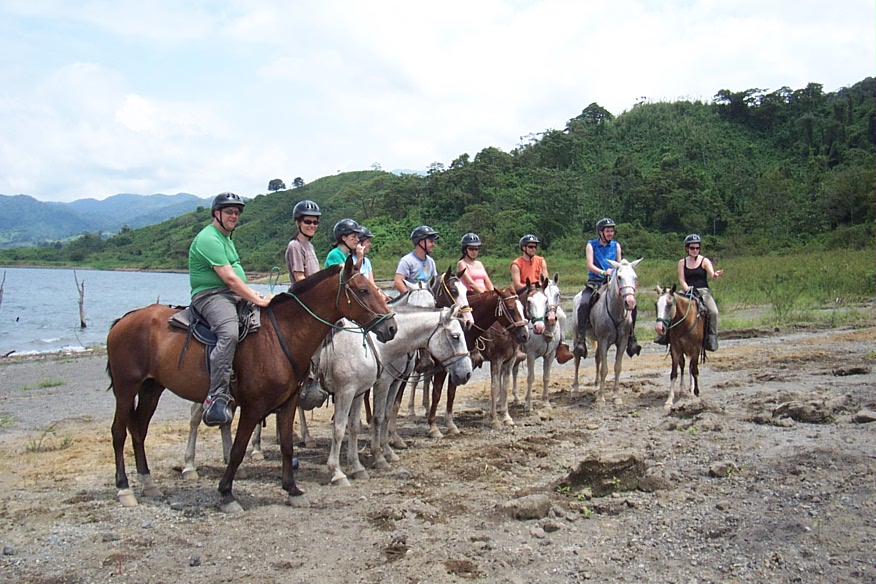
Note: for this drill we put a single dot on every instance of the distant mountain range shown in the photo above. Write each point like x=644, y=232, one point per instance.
x=25, y=221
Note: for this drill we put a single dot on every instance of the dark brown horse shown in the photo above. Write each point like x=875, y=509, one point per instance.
x=679, y=317
x=143, y=359
x=500, y=309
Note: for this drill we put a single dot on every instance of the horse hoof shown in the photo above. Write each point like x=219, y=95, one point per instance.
x=435, y=433
x=496, y=425
x=190, y=474
x=618, y=401
x=231, y=507
x=310, y=444
x=257, y=455
x=382, y=465
x=299, y=501
x=361, y=475
x=127, y=498
x=341, y=482
x=508, y=422
x=392, y=457
x=452, y=431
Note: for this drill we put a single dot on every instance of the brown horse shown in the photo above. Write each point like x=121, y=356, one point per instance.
x=679, y=317
x=500, y=309
x=144, y=358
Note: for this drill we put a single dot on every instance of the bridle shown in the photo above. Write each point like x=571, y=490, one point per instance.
x=631, y=291
x=672, y=310
x=443, y=284
x=444, y=326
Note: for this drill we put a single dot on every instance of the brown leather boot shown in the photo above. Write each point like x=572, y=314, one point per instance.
x=564, y=355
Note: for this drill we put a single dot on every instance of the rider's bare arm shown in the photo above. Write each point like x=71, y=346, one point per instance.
x=239, y=287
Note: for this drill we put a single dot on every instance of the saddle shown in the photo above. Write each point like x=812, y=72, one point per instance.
x=197, y=327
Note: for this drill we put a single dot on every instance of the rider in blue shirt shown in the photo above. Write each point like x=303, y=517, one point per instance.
x=598, y=252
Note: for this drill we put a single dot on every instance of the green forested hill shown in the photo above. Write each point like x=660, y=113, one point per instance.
x=753, y=171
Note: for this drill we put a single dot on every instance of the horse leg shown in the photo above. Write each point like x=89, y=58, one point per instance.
x=147, y=401
x=340, y=421
x=256, y=442
x=448, y=412
x=547, y=363
x=428, y=379
x=413, y=381
x=357, y=471
x=437, y=385
x=495, y=389
x=695, y=371
x=285, y=418
x=673, y=377
x=308, y=440
x=575, y=385
x=119, y=429
x=514, y=370
x=378, y=420
x=601, y=373
x=530, y=379
x=618, y=365
x=503, y=392
x=395, y=440
x=190, y=471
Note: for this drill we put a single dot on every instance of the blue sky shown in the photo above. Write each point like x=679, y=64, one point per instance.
x=115, y=96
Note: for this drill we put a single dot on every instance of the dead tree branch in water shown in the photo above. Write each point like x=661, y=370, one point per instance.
x=81, y=290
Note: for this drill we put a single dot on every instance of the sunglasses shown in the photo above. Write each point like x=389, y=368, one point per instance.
x=531, y=247
x=694, y=247
x=310, y=221
x=232, y=211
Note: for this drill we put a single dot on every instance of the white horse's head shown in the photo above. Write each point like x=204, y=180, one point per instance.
x=447, y=346
x=663, y=309
x=536, y=308
x=625, y=279
x=552, y=293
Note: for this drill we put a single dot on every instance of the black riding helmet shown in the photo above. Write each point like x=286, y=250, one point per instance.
x=345, y=227
x=469, y=240
x=303, y=208
x=692, y=238
x=423, y=232
x=364, y=234
x=223, y=200
x=603, y=223
x=528, y=238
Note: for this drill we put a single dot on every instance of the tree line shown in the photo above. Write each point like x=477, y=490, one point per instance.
x=753, y=171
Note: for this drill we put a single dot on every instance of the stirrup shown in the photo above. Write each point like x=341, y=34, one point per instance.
x=633, y=347
x=217, y=411
x=581, y=349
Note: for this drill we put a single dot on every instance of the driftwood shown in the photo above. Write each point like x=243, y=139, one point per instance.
x=81, y=290
x=1, y=287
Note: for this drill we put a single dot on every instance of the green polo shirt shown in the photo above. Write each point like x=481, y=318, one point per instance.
x=211, y=248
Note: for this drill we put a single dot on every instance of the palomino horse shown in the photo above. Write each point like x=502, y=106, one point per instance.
x=542, y=308
x=679, y=317
x=146, y=355
x=499, y=307
x=611, y=323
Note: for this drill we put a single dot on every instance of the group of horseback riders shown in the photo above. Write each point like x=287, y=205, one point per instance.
x=218, y=281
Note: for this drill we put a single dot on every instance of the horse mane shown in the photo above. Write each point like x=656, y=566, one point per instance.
x=308, y=283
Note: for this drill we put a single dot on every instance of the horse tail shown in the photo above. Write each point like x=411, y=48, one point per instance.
x=109, y=373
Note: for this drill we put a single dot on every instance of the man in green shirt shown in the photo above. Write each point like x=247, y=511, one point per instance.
x=218, y=283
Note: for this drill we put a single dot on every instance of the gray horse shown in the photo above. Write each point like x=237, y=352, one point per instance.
x=611, y=323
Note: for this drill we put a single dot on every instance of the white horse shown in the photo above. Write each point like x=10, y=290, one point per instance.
x=611, y=323
x=547, y=323
x=349, y=366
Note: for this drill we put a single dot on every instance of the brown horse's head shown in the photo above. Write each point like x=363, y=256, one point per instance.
x=360, y=301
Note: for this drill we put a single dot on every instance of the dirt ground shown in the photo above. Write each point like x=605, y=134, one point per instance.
x=769, y=477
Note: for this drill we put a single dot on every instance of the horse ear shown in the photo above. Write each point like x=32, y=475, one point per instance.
x=614, y=264
x=461, y=272
x=349, y=268
x=557, y=278
x=672, y=291
x=528, y=283
x=636, y=263
x=542, y=280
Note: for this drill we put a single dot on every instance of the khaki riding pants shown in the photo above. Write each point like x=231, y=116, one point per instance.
x=713, y=309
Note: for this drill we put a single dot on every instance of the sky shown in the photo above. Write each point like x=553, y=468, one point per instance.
x=100, y=97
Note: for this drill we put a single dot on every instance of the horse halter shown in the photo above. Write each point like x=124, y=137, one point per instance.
x=503, y=310
x=615, y=276
x=463, y=308
x=444, y=326
x=344, y=285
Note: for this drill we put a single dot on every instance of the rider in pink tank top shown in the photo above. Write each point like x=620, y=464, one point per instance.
x=475, y=278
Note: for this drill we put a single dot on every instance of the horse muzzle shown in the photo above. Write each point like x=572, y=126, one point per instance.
x=538, y=327
x=385, y=330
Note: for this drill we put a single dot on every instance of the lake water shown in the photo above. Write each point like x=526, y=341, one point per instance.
x=40, y=307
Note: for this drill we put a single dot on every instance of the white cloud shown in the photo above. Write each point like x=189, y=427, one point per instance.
x=167, y=96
